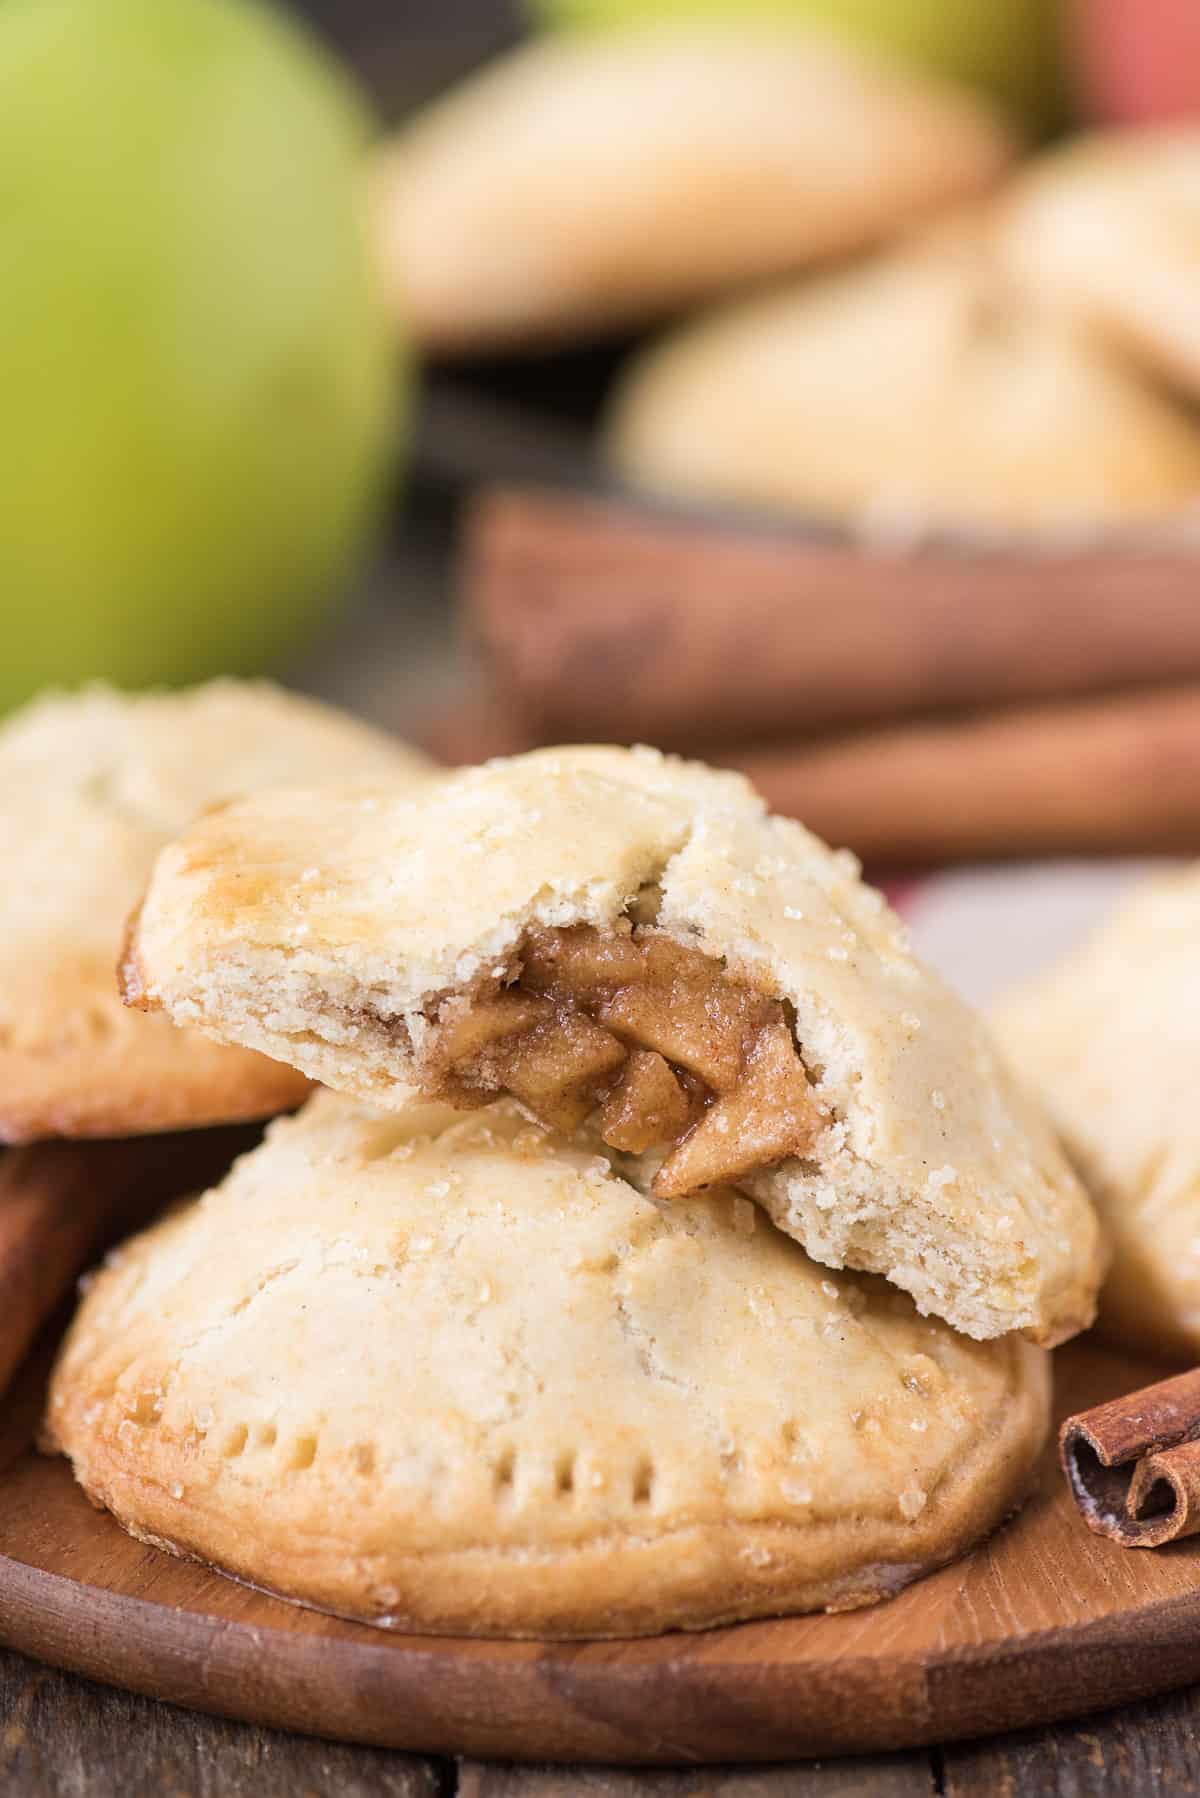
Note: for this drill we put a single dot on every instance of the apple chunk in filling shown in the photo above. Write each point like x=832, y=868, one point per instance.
x=656, y=1042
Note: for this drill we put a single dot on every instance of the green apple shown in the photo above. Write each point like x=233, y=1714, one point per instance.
x=196, y=395
x=1009, y=48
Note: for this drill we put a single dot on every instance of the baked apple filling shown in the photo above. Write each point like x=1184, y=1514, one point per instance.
x=658, y=1043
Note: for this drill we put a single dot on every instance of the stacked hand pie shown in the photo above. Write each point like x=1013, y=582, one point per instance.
x=674, y=1249
x=920, y=390
x=763, y=190
x=92, y=785
x=587, y=184
x=1030, y=372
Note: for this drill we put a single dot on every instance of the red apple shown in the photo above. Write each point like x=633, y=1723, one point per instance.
x=1135, y=61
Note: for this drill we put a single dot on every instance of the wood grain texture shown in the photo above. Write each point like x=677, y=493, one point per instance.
x=881, y=1776
x=63, y=1203
x=62, y=1737
x=1146, y=1749
x=67, y=1738
x=1045, y=1620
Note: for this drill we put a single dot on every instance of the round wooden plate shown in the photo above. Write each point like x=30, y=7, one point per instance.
x=1043, y=1621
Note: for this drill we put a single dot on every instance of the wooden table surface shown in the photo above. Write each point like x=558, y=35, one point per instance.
x=63, y=1737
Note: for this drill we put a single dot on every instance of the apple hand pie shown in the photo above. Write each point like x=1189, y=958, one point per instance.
x=1106, y=231
x=1111, y=1039
x=445, y=1371
x=589, y=182
x=92, y=785
x=917, y=393
x=633, y=948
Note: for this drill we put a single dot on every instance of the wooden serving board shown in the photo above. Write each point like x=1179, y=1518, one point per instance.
x=1044, y=1621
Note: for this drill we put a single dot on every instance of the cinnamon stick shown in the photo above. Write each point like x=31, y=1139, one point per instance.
x=1111, y=775
x=1115, y=775
x=63, y=1203
x=1133, y=1464
x=606, y=621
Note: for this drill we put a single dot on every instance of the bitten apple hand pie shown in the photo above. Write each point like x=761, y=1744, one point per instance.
x=445, y=1371
x=632, y=947
x=1111, y=1040
x=92, y=785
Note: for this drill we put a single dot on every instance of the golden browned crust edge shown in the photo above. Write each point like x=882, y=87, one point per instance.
x=151, y=1078
x=686, y=1577
x=131, y=980
x=106, y=1090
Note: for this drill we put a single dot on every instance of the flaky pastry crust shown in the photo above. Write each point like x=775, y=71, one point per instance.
x=449, y=1373
x=333, y=932
x=92, y=785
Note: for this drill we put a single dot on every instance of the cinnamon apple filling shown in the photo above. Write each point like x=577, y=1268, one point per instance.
x=658, y=1043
